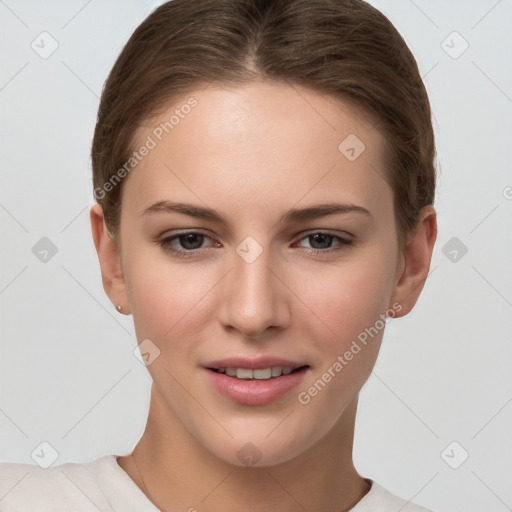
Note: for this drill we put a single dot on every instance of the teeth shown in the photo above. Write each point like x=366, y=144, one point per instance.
x=276, y=371
x=242, y=373
x=260, y=374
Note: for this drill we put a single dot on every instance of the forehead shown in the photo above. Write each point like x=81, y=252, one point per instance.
x=260, y=144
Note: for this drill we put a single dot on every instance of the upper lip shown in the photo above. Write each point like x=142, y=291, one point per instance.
x=253, y=364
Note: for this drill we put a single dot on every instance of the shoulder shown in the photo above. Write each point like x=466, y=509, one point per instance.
x=379, y=499
x=69, y=486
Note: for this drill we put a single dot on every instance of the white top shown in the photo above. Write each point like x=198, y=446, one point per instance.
x=103, y=485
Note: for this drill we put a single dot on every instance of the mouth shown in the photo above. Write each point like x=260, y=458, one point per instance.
x=269, y=373
x=255, y=382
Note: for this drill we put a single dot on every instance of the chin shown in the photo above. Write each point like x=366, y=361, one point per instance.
x=258, y=447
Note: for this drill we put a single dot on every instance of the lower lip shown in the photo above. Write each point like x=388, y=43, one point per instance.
x=254, y=392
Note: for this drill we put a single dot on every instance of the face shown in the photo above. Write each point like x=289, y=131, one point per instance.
x=284, y=253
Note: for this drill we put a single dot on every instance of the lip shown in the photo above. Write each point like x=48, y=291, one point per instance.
x=252, y=364
x=254, y=392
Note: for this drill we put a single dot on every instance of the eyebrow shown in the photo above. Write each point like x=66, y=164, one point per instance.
x=291, y=215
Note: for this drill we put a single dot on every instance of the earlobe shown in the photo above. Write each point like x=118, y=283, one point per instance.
x=416, y=261
x=110, y=261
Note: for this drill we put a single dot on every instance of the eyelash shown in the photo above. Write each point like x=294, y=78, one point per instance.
x=165, y=243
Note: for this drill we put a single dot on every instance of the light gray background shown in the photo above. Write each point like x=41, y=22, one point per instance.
x=68, y=374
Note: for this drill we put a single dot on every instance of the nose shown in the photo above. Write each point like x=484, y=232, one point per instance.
x=255, y=297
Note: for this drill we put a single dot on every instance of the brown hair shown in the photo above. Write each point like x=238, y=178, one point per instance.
x=343, y=48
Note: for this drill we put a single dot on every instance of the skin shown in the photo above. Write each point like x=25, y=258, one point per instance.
x=251, y=153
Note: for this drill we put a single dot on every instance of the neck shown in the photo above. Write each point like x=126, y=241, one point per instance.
x=176, y=472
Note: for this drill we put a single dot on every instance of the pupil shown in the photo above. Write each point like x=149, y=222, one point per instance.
x=319, y=237
x=192, y=239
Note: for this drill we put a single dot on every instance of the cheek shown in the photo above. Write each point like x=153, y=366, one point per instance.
x=346, y=299
x=346, y=329
x=165, y=298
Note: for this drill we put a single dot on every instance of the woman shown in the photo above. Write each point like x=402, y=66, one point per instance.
x=264, y=177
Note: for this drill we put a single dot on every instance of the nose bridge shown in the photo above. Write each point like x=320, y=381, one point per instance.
x=255, y=298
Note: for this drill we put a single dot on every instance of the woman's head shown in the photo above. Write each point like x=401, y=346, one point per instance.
x=265, y=131
x=346, y=49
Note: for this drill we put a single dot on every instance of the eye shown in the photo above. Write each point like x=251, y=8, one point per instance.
x=189, y=243
x=184, y=243
x=321, y=241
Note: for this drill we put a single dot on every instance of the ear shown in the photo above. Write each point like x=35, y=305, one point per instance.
x=110, y=261
x=415, y=262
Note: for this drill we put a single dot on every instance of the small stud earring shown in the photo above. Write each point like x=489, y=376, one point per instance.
x=119, y=308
